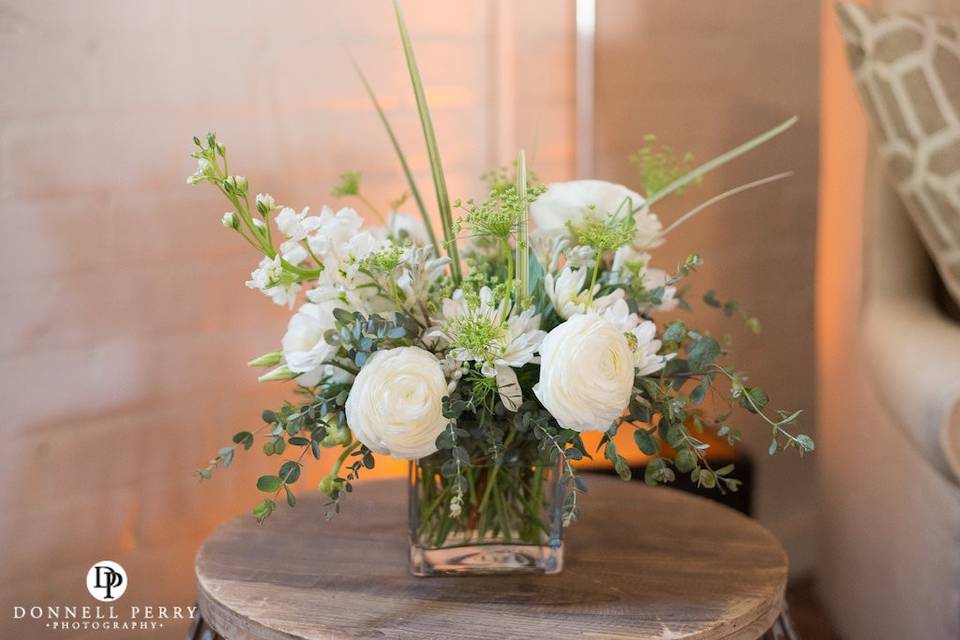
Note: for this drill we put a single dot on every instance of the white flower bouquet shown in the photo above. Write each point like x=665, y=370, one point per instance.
x=484, y=364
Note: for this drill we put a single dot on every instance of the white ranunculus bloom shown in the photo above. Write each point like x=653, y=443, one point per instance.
x=586, y=373
x=403, y=226
x=304, y=349
x=569, y=202
x=395, y=404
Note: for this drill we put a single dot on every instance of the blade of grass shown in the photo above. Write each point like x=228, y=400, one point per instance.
x=430, y=138
x=726, y=194
x=706, y=167
x=403, y=159
x=523, y=243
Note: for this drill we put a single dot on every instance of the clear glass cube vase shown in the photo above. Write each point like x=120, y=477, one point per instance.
x=490, y=519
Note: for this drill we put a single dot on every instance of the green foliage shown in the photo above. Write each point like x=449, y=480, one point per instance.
x=349, y=185
x=658, y=166
x=604, y=231
x=498, y=215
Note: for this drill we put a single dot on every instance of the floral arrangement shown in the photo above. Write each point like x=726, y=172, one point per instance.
x=485, y=353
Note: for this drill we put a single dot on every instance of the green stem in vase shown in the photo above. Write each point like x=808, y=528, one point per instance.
x=496, y=470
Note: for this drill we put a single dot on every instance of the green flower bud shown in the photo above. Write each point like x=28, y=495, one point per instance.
x=265, y=203
x=280, y=373
x=336, y=436
x=241, y=183
x=271, y=359
x=230, y=221
x=329, y=484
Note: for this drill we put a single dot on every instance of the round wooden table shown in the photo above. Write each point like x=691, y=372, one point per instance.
x=640, y=563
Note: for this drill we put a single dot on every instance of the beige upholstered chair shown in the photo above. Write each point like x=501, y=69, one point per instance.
x=889, y=391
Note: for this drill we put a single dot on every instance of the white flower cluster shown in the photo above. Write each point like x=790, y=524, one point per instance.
x=587, y=363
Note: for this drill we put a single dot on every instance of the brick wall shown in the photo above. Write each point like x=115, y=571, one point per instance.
x=126, y=322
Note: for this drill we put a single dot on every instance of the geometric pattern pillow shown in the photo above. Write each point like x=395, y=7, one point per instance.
x=907, y=68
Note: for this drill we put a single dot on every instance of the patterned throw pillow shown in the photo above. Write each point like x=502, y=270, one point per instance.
x=907, y=67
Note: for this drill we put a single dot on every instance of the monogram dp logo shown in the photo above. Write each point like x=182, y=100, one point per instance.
x=106, y=581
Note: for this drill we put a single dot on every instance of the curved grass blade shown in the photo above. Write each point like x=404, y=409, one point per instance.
x=706, y=167
x=403, y=160
x=723, y=196
x=430, y=138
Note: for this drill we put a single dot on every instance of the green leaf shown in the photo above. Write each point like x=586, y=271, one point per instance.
x=773, y=446
x=754, y=399
x=245, y=438
x=226, y=456
x=433, y=152
x=702, y=352
x=645, y=441
x=268, y=484
x=291, y=499
x=263, y=510
x=289, y=472
x=675, y=332
x=707, y=479
x=269, y=416
x=685, y=460
x=700, y=391
x=710, y=298
x=805, y=442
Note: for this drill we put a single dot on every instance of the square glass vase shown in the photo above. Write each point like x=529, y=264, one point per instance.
x=486, y=520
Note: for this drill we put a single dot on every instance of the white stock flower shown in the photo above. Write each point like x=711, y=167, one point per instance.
x=267, y=278
x=566, y=203
x=586, y=373
x=419, y=271
x=304, y=349
x=395, y=405
x=296, y=226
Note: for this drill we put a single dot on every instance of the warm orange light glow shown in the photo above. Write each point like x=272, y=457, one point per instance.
x=843, y=153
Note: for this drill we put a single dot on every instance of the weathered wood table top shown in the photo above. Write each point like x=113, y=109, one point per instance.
x=640, y=563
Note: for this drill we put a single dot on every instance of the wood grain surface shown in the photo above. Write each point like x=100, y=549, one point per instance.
x=641, y=563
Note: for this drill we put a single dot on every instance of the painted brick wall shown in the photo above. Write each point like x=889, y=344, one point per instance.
x=125, y=319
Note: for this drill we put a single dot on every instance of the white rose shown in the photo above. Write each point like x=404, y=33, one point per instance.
x=586, y=373
x=304, y=349
x=569, y=202
x=395, y=404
